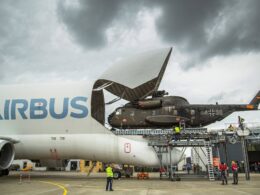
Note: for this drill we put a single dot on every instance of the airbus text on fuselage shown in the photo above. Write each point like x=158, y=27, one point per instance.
x=41, y=108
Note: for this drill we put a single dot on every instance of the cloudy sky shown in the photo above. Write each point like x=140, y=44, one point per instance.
x=216, y=44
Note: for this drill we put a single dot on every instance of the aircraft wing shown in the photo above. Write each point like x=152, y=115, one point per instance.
x=136, y=77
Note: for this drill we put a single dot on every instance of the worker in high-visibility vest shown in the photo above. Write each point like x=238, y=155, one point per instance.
x=109, y=172
x=177, y=131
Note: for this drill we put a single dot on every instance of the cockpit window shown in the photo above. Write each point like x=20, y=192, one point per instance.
x=119, y=112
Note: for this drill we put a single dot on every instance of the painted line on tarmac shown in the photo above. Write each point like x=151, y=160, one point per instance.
x=65, y=191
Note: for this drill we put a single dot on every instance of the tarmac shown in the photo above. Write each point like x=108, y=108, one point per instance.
x=74, y=183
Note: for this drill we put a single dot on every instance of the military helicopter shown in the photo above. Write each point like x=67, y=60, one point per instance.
x=162, y=111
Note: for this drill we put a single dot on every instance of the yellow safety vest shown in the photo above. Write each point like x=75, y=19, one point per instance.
x=109, y=172
x=177, y=129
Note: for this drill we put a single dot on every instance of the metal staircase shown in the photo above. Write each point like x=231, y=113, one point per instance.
x=209, y=160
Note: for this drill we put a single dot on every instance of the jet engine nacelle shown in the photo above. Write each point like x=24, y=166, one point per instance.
x=6, y=154
x=149, y=104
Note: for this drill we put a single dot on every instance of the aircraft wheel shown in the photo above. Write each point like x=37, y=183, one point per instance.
x=7, y=172
x=4, y=172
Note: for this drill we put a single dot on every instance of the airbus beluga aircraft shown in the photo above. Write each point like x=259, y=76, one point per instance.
x=66, y=121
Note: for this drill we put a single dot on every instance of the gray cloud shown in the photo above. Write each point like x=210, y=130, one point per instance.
x=32, y=37
x=29, y=46
x=201, y=29
x=14, y=34
x=223, y=97
x=217, y=98
x=89, y=20
x=241, y=32
x=184, y=22
x=205, y=29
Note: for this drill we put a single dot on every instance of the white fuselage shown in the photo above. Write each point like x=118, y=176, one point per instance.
x=53, y=121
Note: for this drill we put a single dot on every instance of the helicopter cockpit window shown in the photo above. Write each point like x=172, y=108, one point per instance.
x=119, y=112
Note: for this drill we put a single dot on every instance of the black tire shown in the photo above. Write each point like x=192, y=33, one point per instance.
x=4, y=172
x=117, y=175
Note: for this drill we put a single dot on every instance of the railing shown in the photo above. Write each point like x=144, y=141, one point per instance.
x=164, y=136
x=158, y=131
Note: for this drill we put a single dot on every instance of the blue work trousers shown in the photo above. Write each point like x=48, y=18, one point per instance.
x=109, y=183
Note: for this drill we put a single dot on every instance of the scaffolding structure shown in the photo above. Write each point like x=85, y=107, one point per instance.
x=164, y=140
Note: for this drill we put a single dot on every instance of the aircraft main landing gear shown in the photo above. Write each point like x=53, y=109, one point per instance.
x=4, y=172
